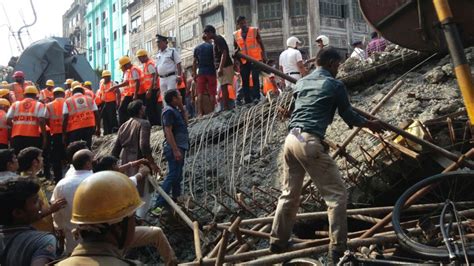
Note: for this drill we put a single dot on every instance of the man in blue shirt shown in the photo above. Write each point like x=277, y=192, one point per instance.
x=317, y=96
x=204, y=74
x=174, y=120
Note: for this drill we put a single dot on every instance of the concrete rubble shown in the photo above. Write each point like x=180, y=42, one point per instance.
x=232, y=170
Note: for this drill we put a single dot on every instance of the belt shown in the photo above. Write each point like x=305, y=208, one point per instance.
x=293, y=73
x=170, y=74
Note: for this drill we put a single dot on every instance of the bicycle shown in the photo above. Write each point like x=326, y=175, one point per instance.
x=444, y=230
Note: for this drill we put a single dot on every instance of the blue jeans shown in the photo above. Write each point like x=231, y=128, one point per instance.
x=172, y=182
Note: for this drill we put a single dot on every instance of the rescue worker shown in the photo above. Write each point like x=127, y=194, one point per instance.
x=46, y=94
x=107, y=224
x=19, y=85
x=181, y=86
x=151, y=86
x=80, y=114
x=27, y=119
x=88, y=89
x=108, y=99
x=249, y=41
x=168, y=64
x=4, y=128
x=55, y=123
x=68, y=87
x=6, y=94
x=132, y=83
x=270, y=86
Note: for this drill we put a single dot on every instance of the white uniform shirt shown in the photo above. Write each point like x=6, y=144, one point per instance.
x=358, y=53
x=66, y=188
x=289, y=59
x=166, y=61
x=40, y=112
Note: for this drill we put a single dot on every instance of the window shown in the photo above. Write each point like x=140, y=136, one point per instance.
x=98, y=45
x=332, y=8
x=166, y=4
x=114, y=8
x=149, y=13
x=187, y=31
x=215, y=18
x=97, y=21
x=269, y=9
x=356, y=10
x=115, y=35
x=89, y=27
x=124, y=29
x=90, y=53
x=104, y=15
x=135, y=24
x=149, y=46
x=298, y=8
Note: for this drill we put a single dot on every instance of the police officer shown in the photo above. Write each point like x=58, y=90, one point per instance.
x=168, y=64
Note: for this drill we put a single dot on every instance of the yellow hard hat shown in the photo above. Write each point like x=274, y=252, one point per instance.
x=141, y=52
x=50, y=83
x=68, y=81
x=124, y=60
x=75, y=84
x=87, y=83
x=106, y=73
x=31, y=89
x=58, y=89
x=105, y=197
x=4, y=92
x=4, y=102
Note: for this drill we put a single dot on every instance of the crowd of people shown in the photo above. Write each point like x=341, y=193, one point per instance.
x=91, y=215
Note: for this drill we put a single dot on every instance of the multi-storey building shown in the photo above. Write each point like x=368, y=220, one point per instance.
x=73, y=25
x=183, y=20
x=107, y=34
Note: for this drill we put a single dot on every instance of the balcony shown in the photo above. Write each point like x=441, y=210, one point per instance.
x=339, y=23
x=299, y=21
x=360, y=27
x=267, y=24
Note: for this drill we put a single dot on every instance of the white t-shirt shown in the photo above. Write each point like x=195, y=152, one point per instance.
x=289, y=59
x=358, y=53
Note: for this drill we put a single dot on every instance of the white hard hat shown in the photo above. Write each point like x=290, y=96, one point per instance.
x=292, y=42
x=324, y=39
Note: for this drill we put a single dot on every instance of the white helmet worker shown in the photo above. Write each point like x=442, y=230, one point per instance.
x=323, y=39
x=292, y=42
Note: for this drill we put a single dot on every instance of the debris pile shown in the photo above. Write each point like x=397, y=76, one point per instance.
x=232, y=173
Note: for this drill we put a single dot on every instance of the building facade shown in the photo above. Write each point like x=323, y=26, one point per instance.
x=183, y=20
x=107, y=34
x=73, y=25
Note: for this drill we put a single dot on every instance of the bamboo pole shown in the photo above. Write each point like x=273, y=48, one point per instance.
x=222, y=248
x=197, y=241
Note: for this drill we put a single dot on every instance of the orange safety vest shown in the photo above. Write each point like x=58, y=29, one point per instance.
x=46, y=95
x=26, y=114
x=231, y=90
x=182, y=84
x=249, y=46
x=106, y=95
x=130, y=89
x=89, y=93
x=68, y=93
x=55, y=110
x=148, y=77
x=268, y=86
x=3, y=128
x=80, y=114
x=18, y=90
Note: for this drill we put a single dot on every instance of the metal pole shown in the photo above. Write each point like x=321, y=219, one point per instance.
x=456, y=49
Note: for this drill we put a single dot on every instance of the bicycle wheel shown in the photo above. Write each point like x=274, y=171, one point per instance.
x=419, y=232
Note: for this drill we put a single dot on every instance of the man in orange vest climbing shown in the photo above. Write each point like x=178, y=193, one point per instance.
x=88, y=89
x=46, y=94
x=132, y=83
x=108, y=99
x=55, y=123
x=151, y=86
x=249, y=41
x=80, y=114
x=4, y=128
x=19, y=85
x=68, y=87
x=27, y=119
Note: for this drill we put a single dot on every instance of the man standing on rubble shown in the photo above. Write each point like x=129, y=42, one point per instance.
x=168, y=64
x=291, y=61
x=249, y=41
x=317, y=97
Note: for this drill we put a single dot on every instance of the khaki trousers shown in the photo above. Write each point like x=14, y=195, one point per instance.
x=152, y=235
x=304, y=153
